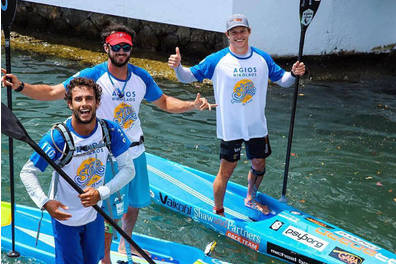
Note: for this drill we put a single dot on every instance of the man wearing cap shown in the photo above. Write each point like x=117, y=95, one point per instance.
x=240, y=76
x=124, y=87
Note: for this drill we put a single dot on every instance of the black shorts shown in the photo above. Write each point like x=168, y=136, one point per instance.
x=256, y=148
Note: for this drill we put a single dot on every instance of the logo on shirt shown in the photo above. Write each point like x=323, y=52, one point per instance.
x=124, y=115
x=90, y=172
x=243, y=92
x=245, y=72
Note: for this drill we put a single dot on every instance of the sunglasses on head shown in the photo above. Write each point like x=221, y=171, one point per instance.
x=125, y=47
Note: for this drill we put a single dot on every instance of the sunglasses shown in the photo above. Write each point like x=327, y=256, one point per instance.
x=118, y=47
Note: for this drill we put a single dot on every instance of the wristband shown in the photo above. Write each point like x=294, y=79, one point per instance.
x=20, y=87
x=292, y=74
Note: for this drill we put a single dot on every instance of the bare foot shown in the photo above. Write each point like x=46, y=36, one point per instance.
x=121, y=250
x=257, y=206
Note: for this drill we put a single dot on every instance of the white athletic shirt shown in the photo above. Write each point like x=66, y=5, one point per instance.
x=240, y=90
x=123, y=109
x=86, y=168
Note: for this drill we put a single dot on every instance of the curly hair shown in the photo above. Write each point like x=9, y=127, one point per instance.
x=80, y=81
x=116, y=28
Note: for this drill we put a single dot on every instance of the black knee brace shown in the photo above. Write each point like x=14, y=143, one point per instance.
x=257, y=173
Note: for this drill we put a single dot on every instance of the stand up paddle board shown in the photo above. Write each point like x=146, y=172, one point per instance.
x=26, y=224
x=286, y=233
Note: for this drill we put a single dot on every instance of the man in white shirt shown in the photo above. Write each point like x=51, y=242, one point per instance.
x=240, y=76
x=78, y=229
x=125, y=86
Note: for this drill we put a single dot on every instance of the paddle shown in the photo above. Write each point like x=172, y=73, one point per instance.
x=8, y=10
x=308, y=10
x=11, y=127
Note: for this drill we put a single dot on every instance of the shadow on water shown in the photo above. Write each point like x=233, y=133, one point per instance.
x=341, y=170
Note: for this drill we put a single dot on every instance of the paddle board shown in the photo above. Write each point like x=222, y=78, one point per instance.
x=26, y=224
x=287, y=233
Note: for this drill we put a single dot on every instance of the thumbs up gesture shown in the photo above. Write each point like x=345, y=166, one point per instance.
x=174, y=59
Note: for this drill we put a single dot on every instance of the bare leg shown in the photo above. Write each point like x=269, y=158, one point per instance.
x=108, y=238
x=128, y=223
x=254, y=183
x=221, y=180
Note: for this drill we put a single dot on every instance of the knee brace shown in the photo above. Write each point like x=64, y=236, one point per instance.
x=257, y=173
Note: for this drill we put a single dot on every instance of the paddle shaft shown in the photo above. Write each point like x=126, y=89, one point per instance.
x=80, y=191
x=7, y=48
x=293, y=115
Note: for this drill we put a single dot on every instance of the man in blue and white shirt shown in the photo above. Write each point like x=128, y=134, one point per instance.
x=240, y=75
x=78, y=229
x=124, y=86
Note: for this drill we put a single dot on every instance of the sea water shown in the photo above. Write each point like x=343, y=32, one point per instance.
x=342, y=166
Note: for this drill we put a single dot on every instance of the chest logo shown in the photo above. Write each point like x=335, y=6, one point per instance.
x=124, y=115
x=90, y=172
x=243, y=92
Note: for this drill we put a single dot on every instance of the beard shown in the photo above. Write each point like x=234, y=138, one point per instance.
x=79, y=120
x=115, y=61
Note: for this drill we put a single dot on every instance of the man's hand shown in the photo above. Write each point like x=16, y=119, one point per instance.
x=90, y=197
x=52, y=208
x=298, y=68
x=202, y=103
x=174, y=59
x=9, y=80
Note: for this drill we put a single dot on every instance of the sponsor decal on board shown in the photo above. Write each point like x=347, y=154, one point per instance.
x=346, y=256
x=276, y=225
x=305, y=238
x=289, y=217
x=319, y=223
x=201, y=215
x=174, y=204
x=288, y=255
x=242, y=240
x=355, y=246
x=357, y=240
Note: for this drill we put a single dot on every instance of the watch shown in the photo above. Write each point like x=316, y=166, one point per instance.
x=20, y=87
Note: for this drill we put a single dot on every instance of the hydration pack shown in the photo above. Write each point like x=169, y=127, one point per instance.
x=69, y=148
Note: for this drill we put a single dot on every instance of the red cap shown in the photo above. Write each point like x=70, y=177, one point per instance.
x=119, y=37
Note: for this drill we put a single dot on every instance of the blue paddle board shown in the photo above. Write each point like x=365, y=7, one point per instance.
x=286, y=233
x=26, y=224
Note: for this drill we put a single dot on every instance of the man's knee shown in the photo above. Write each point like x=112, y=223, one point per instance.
x=227, y=168
x=258, y=165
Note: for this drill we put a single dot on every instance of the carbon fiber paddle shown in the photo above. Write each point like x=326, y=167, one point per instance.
x=8, y=10
x=308, y=10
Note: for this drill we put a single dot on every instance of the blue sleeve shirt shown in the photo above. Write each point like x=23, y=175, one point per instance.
x=119, y=143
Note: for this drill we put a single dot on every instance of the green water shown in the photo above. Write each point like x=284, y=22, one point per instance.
x=342, y=168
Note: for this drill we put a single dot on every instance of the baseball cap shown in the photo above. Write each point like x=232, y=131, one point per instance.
x=237, y=20
x=119, y=37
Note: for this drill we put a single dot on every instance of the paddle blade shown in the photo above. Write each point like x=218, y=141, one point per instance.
x=11, y=126
x=308, y=10
x=5, y=214
x=8, y=9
